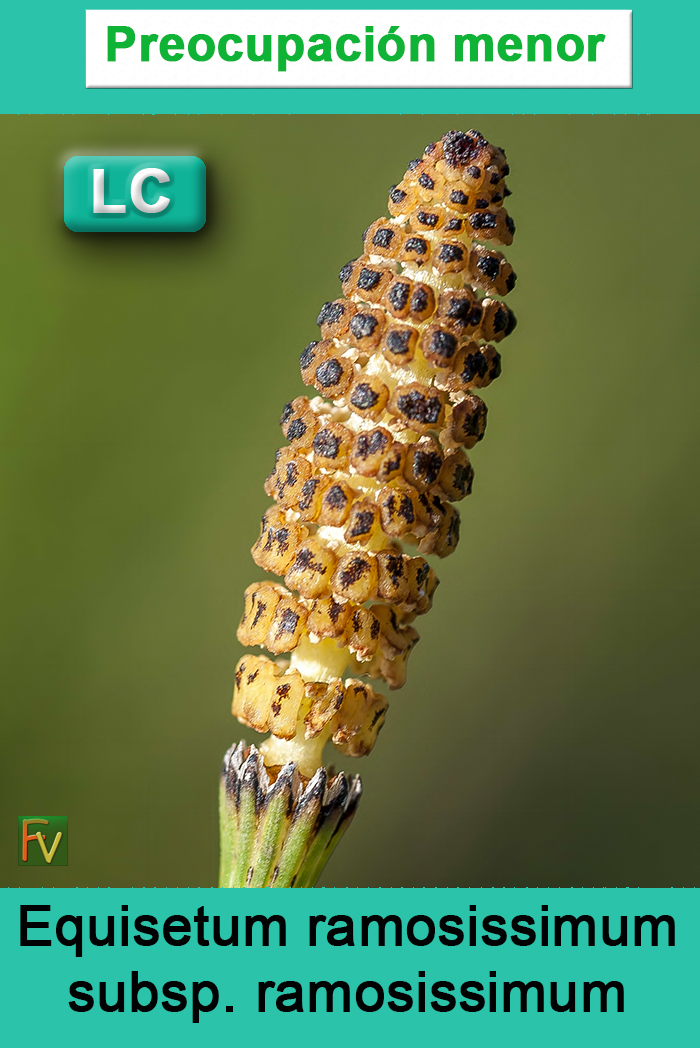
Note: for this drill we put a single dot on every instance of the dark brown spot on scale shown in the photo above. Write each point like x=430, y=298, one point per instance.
x=405, y=509
x=354, y=571
x=443, y=344
x=474, y=366
x=291, y=474
x=307, y=355
x=371, y=443
x=427, y=218
x=459, y=148
x=398, y=295
x=425, y=502
x=500, y=319
x=277, y=537
x=416, y=245
x=489, y=265
x=363, y=397
x=398, y=341
x=363, y=325
x=303, y=559
x=417, y=407
x=419, y=300
x=450, y=253
x=483, y=220
x=335, y=497
x=296, y=429
x=362, y=523
x=329, y=372
x=427, y=465
x=330, y=313
x=308, y=491
x=463, y=478
x=394, y=566
x=368, y=279
x=459, y=309
x=326, y=444
x=287, y=622
x=383, y=237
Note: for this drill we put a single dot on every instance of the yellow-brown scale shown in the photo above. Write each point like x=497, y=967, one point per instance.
x=365, y=486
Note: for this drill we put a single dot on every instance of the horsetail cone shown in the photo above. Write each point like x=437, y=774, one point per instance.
x=364, y=492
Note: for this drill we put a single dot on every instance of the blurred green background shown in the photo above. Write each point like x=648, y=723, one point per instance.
x=548, y=732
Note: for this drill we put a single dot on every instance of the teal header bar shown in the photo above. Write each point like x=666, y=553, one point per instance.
x=496, y=966
x=44, y=72
x=134, y=194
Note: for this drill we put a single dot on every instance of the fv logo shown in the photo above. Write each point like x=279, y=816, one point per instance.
x=42, y=840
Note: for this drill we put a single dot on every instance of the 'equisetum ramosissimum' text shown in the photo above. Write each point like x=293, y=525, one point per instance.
x=464, y=991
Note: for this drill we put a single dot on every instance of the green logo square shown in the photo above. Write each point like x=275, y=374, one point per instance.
x=42, y=840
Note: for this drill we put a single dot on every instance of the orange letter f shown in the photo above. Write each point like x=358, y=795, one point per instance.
x=26, y=838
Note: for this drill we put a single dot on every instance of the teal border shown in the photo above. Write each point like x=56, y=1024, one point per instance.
x=659, y=982
x=43, y=69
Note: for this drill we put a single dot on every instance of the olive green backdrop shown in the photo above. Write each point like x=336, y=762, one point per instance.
x=548, y=732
